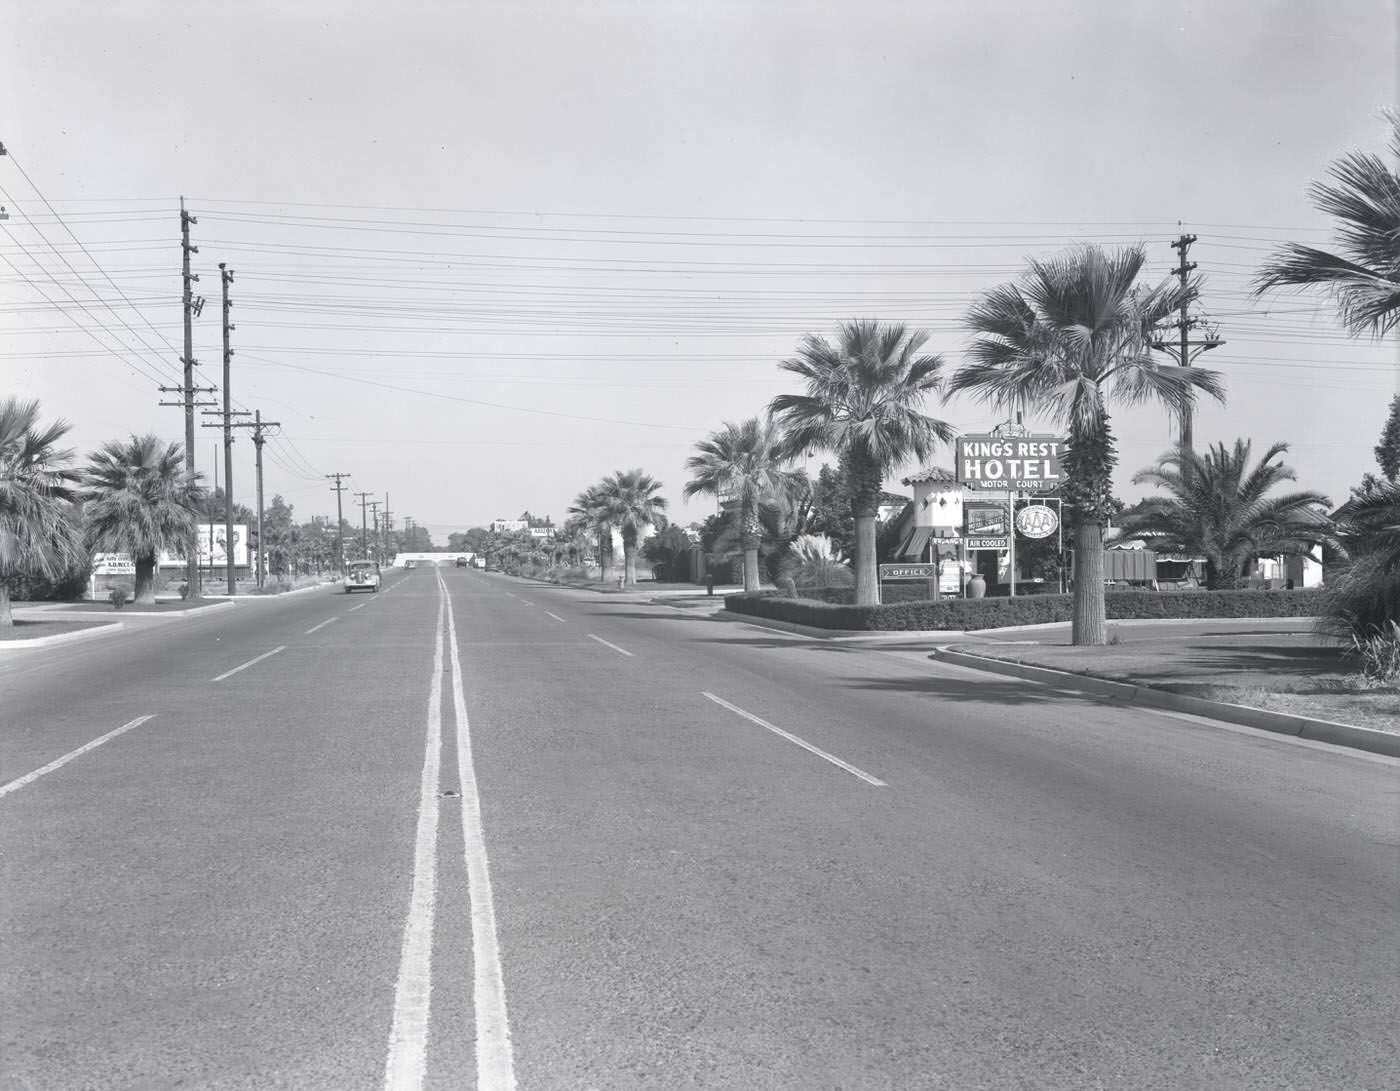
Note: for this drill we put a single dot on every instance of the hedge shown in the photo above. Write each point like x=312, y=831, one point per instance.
x=965, y=615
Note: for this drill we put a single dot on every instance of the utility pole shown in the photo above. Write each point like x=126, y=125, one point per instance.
x=339, y=522
x=260, y=428
x=388, y=523
x=374, y=507
x=191, y=310
x=225, y=279
x=364, y=502
x=1185, y=350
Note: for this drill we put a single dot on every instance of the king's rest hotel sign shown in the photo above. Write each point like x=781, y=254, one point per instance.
x=1010, y=463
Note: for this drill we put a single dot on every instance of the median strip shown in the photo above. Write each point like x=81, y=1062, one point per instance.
x=251, y=662
x=58, y=763
x=800, y=742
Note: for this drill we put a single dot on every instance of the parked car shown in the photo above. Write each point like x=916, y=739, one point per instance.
x=410, y=564
x=461, y=562
x=361, y=576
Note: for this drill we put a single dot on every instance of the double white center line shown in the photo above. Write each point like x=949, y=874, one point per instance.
x=406, y=1066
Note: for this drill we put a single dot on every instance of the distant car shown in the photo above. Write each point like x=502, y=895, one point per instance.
x=361, y=576
x=410, y=564
x=461, y=562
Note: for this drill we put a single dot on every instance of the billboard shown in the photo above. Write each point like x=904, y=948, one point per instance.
x=1021, y=463
x=213, y=548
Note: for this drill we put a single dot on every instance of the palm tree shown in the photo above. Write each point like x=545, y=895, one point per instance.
x=742, y=464
x=630, y=497
x=863, y=401
x=1364, y=601
x=1075, y=332
x=140, y=501
x=1219, y=508
x=36, y=537
x=1364, y=278
x=592, y=507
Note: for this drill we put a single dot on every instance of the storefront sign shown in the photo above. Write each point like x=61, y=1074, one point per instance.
x=908, y=572
x=1037, y=521
x=986, y=543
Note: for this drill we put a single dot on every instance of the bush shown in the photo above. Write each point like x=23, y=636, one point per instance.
x=119, y=596
x=1379, y=653
x=963, y=615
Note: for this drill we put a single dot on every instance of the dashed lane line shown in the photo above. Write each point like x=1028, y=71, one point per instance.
x=614, y=647
x=251, y=662
x=861, y=773
x=58, y=763
x=320, y=626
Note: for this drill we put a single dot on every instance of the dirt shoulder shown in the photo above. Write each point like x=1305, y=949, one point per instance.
x=1278, y=665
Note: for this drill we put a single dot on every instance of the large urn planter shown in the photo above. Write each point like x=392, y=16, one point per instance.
x=976, y=587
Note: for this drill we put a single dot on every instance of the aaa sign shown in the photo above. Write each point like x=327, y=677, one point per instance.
x=1024, y=463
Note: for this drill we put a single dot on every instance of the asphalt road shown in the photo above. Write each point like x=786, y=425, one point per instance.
x=473, y=831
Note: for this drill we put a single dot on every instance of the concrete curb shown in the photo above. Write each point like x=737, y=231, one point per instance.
x=59, y=638
x=157, y=615
x=1303, y=727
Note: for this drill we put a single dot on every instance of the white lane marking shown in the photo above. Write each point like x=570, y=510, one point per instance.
x=320, y=626
x=359, y=606
x=800, y=742
x=495, y=1068
x=526, y=602
x=245, y=666
x=614, y=647
x=408, y=1036
x=58, y=763
x=556, y=617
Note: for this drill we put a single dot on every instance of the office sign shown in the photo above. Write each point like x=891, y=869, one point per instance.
x=908, y=571
x=1021, y=463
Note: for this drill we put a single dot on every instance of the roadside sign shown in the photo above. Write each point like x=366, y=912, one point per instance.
x=1037, y=521
x=908, y=572
x=986, y=543
x=1023, y=463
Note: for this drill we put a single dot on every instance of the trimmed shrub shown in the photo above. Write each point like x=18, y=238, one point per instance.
x=965, y=615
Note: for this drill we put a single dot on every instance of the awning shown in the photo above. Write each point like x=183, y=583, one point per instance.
x=914, y=542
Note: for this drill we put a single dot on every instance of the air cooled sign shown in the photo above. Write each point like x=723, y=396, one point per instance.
x=1022, y=463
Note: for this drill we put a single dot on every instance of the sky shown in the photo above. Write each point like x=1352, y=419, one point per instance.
x=486, y=253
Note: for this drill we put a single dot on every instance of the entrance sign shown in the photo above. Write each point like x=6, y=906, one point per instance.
x=1037, y=521
x=1022, y=463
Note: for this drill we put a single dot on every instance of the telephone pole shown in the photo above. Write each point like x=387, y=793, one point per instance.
x=374, y=507
x=388, y=523
x=260, y=428
x=364, y=502
x=339, y=522
x=1185, y=350
x=191, y=309
x=225, y=279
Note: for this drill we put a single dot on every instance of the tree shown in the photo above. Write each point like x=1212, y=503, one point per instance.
x=140, y=500
x=1388, y=450
x=1364, y=277
x=742, y=465
x=1219, y=508
x=862, y=402
x=592, y=507
x=281, y=537
x=36, y=536
x=831, y=509
x=630, y=497
x=1363, y=602
x=1075, y=332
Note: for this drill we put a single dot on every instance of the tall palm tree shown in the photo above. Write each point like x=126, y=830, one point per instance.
x=863, y=401
x=1218, y=507
x=593, y=508
x=631, y=497
x=742, y=464
x=1075, y=332
x=1364, y=276
x=140, y=501
x=36, y=537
